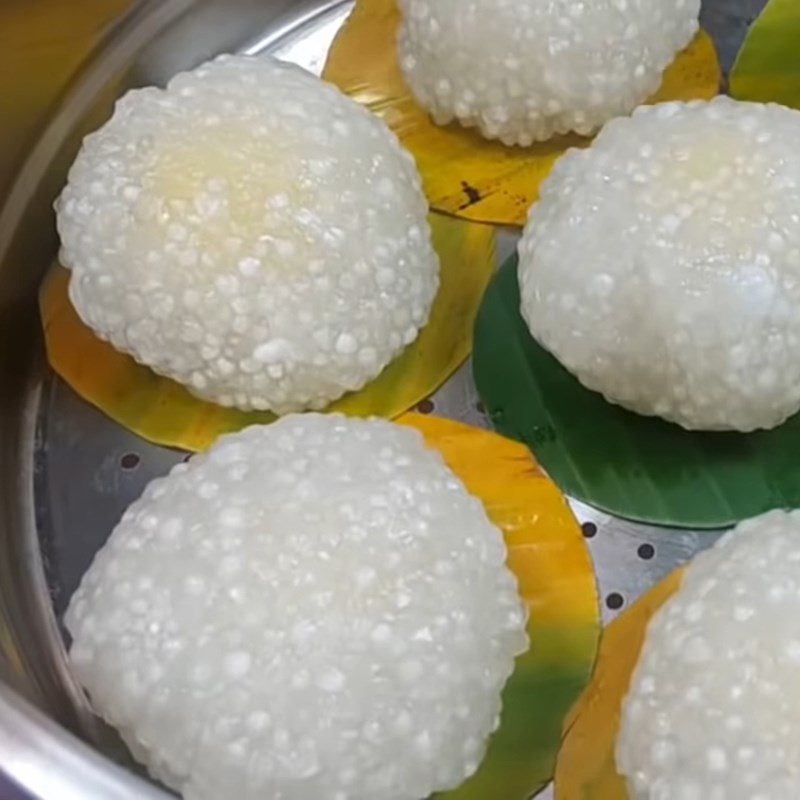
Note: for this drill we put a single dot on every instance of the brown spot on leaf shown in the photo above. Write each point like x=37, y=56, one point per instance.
x=473, y=195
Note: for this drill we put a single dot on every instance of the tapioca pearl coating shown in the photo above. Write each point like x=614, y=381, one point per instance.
x=251, y=233
x=661, y=265
x=713, y=710
x=525, y=70
x=315, y=608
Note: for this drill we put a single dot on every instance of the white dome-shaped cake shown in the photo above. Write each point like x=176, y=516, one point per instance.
x=251, y=233
x=311, y=609
x=525, y=70
x=661, y=265
x=713, y=710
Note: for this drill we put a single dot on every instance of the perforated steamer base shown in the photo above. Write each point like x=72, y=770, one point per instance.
x=88, y=469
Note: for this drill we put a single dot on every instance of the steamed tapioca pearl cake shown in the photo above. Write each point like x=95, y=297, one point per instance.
x=311, y=609
x=524, y=70
x=251, y=233
x=661, y=265
x=713, y=710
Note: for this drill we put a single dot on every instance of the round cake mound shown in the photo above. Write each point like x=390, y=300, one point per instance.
x=524, y=70
x=713, y=709
x=662, y=265
x=315, y=608
x=251, y=233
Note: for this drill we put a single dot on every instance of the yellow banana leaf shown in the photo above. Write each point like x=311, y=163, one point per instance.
x=768, y=65
x=586, y=768
x=162, y=411
x=547, y=553
x=463, y=173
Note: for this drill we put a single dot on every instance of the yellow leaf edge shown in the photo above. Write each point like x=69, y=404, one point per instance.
x=586, y=766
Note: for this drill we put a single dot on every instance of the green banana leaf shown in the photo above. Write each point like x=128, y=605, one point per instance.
x=638, y=467
x=768, y=65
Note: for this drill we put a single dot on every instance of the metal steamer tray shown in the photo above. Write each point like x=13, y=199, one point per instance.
x=69, y=472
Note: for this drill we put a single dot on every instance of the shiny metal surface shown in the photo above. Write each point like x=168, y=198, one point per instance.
x=39, y=756
x=69, y=472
